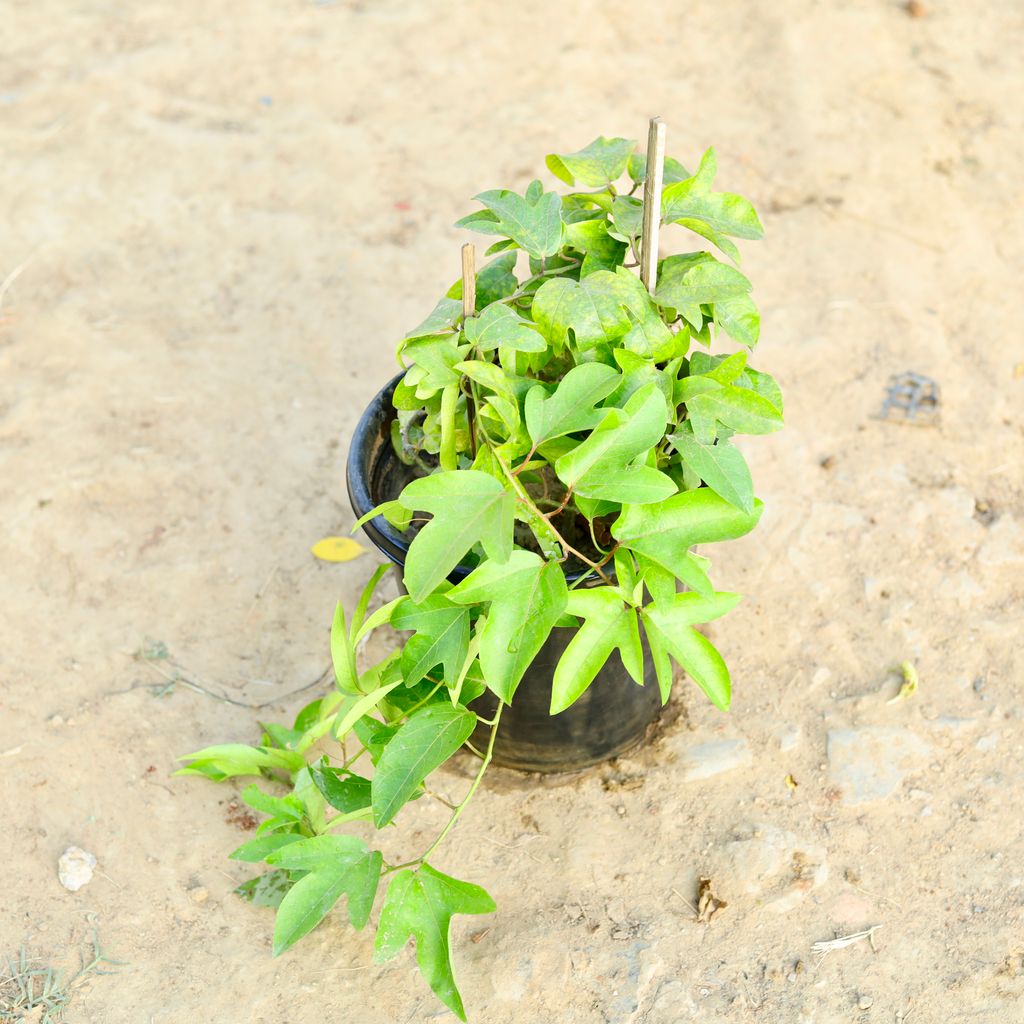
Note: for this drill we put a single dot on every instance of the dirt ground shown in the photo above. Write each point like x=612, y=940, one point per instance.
x=218, y=218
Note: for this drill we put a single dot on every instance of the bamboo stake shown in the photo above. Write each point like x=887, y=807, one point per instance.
x=652, y=203
x=468, y=281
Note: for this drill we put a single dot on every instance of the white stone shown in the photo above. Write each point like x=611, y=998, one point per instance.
x=75, y=868
x=1005, y=544
x=956, y=726
x=789, y=739
x=704, y=760
x=869, y=763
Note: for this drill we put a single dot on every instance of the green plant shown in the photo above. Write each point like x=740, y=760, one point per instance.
x=574, y=424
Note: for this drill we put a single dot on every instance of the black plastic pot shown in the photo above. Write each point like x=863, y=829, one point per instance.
x=612, y=716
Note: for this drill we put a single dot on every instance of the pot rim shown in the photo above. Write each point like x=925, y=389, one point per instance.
x=385, y=537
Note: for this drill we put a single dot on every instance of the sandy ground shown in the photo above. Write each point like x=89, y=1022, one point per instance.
x=217, y=219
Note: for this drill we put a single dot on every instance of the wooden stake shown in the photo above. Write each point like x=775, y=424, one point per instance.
x=468, y=281
x=652, y=203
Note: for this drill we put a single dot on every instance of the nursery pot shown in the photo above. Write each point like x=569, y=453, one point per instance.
x=614, y=713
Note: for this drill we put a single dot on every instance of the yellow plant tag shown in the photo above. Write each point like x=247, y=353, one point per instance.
x=337, y=549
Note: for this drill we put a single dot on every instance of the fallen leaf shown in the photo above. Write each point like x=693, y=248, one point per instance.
x=337, y=549
x=910, y=683
x=708, y=904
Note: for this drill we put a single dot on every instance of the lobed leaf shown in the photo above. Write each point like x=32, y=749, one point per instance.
x=441, y=637
x=596, y=309
x=600, y=163
x=533, y=222
x=721, y=466
x=608, y=624
x=665, y=531
x=526, y=598
x=468, y=507
x=607, y=465
x=499, y=325
x=668, y=625
x=687, y=282
x=741, y=409
x=573, y=405
x=420, y=905
x=334, y=865
x=693, y=204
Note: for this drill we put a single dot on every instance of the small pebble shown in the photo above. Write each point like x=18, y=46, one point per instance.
x=75, y=868
x=864, y=1003
x=199, y=895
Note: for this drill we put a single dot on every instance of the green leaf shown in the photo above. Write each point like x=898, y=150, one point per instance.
x=607, y=464
x=594, y=308
x=721, y=466
x=499, y=325
x=350, y=713
x=434, y=359
x=420, y=905
x=669, y=627
x=527, y=597
x=232, y=759
x=534, y=222
x=739, y=318
x=260, y=848
x=335, y=865
x=440, y=321
x=638, y=371
x=468, y=507
x=343, y=653
x=687, y=388
x=742, y=409
x=343, y=790
x=374, y=736
x=609, y=623
x=266, y=890
x=764, y=384
x=672, y=171
x=427, y=739
x=288, y=807
x=651, y=338
x=720, y=369
x=442, y=636
x=602, y=251
x=665, y=532
x=692, y=202
x=573, y=406
x=691, y=280
x=627, y=217
x=497, y=280
x=600, y=163
x=489, y=375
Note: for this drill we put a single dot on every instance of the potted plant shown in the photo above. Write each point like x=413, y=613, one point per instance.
x=557, y=443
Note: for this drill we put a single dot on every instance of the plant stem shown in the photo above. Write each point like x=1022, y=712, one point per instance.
x=524, y=287
x=522, y=465
x=472, y=789
x=461, y=806
x=559, y=508
x=417, y=706
x=525, y=498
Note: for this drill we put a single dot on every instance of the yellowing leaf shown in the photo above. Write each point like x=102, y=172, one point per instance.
x=337, y=549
